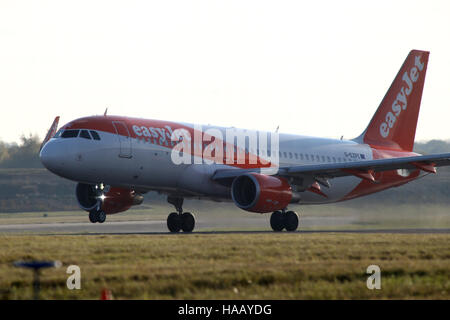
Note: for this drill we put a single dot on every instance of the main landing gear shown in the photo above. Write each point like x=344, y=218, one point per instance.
x=179, y=220
x=280, y=220
x=97, y=216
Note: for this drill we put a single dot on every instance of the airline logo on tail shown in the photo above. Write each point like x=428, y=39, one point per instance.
x=401, y=102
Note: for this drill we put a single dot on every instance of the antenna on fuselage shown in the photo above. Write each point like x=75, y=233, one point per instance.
x=106, y=111
x=276, y=130
x=342, y=137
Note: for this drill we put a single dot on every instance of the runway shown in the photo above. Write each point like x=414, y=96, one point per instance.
x=202, y=227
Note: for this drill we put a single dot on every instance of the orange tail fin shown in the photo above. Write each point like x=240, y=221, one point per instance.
x=51, y=132
x=395, y=121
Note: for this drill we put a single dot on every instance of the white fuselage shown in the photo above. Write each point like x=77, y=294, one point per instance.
x=146, y=165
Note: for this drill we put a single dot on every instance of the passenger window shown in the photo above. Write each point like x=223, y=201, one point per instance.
x=285, y=154
x=95, y=135
x=317, y=158
x=70, y=134
x=296, y=155
x=323, y=158
x=85, y=134
x=307, y=157
x=328, y=159
x=301, y=156
x=290, y=155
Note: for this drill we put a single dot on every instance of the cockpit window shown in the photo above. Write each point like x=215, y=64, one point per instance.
x=85, y=134
x=70, y=134
x=58, y=134
x=95, y=135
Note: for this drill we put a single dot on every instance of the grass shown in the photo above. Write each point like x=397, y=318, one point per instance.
x=232, y=266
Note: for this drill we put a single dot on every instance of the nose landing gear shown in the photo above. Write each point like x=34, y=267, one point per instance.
x=98, y=194
x=280, y=220
x=97, y=216
x=177, y=221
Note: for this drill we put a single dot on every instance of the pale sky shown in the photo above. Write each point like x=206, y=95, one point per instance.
x=312, y=67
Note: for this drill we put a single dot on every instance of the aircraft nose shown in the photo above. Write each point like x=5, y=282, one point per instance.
x=51, y=157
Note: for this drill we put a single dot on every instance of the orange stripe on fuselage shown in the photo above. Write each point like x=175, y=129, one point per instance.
x=159, y=132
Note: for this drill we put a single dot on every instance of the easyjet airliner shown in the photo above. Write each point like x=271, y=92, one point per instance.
x=116, y=160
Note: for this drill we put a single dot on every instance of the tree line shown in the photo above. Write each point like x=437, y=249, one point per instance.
x=24, y=154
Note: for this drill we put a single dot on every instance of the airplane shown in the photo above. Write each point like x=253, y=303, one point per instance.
x=115, y=160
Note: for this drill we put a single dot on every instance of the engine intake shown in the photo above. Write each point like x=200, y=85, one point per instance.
x=260, y=193
x=87, y=196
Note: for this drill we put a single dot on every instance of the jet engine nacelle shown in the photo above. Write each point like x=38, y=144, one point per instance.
x=260, y=193
x=113, y=201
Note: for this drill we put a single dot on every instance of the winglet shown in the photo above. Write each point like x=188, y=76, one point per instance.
x=51, y=132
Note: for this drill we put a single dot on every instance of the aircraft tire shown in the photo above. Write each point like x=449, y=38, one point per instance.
x=174, y=222
x=187, y=222
x=291, y=221
x=101, y=216
x=277, y=221
x=93, y=216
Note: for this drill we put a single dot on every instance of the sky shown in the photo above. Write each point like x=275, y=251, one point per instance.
x=315, y=68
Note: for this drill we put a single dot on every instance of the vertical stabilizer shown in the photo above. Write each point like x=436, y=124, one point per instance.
x=51, y=132
x=394, y=123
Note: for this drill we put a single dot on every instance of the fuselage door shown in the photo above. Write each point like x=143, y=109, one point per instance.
x=124, y=139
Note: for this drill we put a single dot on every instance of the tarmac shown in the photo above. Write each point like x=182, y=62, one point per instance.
x=202, y=226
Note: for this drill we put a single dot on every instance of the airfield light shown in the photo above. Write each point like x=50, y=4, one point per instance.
x=36, y=266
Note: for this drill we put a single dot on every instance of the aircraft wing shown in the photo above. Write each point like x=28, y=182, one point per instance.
x=362, y=169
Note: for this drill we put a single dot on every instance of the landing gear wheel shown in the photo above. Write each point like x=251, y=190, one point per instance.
x=101, y=215
x=177, y=221
x=291, y=221
x=93, y=216
x=174, y=222
x=187, y=222
x=277, y=221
